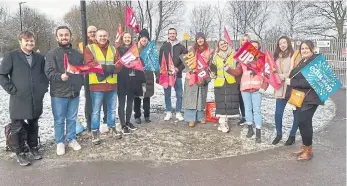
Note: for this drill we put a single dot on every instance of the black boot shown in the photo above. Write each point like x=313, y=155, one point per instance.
x=250, y=132
x=34, y=152
x=138, y=120
x=258, y=136
x=23, y=159
x=276, y=140
x=290, y=141
x=147, y=120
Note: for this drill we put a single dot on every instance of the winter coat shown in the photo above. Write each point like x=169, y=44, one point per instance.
x=283, y=65
x=129, y=84
x=227, y=96
x=175, y=50
x=149, y=79
x=251, y=82
x=54, y=68
x=298, y=82
x=26, y=84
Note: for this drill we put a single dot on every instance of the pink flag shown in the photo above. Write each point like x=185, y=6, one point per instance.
x=81, y=69
x=118, y=36
x=250, y=57
x=131, y=59
x=163, y=77
x=130, y=20
x=270, y=72
x=172, y=75
x=226, y=37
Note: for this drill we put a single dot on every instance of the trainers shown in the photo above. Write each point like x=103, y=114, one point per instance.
x=74, y=145
x=60, y=149
x=138, y=120
x=95, y=137
x=179, y=116
x=219, y=128
x=35, y=154
x=168, y=116
x=225, y=127
x=113, y=133
x=125, y=130
x=241, y=122
x=130, y=126
x=22, y=159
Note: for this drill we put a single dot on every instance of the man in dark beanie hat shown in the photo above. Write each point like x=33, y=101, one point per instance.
x=144, y=33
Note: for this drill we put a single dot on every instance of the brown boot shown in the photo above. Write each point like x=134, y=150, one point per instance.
x=202, y=122
x=300, y=151
x=191, y=124
x=307, y=154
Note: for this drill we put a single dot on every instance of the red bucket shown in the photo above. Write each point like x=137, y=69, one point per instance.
x=211, y=112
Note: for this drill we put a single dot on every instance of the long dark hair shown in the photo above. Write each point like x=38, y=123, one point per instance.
x=310, y=45
x=196, y=46
x=289, y=51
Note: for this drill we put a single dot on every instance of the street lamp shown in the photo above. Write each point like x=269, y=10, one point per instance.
x=20, y=15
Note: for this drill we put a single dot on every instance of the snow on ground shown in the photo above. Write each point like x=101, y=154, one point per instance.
x=172, y=140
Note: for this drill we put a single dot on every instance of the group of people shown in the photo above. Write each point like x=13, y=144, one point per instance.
x=26, y=76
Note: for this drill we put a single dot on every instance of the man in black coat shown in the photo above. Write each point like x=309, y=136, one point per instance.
x=22, y=75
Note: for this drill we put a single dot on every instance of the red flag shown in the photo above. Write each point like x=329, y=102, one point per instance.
x=226, y=37
x=270, y=72
x=131, y=59
x=163, y=77
x=80, y=69
x=118, y=36
x=252, y=58
x=130, y=20
x=172, y=74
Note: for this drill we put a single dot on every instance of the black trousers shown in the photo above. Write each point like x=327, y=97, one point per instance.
x=146, y=107
x=21, y=132
x=305, y=124
x=121, y=106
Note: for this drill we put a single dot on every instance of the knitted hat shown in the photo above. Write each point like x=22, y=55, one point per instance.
x=199, y=34
x=144, y=33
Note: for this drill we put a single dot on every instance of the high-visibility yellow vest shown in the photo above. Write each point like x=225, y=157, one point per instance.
x=109, y=60
x=221, y=74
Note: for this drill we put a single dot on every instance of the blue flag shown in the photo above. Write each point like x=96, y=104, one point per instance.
x=150, y=57
x=321, y=77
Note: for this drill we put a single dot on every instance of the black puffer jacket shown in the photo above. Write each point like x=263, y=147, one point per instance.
x=298, y=82
x=54, y=68
x=129, y=84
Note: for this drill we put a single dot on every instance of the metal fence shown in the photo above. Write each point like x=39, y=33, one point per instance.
x=333, y=50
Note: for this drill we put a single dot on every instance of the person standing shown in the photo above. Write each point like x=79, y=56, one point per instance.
x=130, y=84
x=194, y=98
x=175, y=49
x=310, y=103
x=22, y=76
x=252, y=87
x=282, y=56
x=64, y=89
x=103, y=85
x=149, y=84
x=226, y=90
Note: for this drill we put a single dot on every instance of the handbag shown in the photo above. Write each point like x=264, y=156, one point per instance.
x=297, y=97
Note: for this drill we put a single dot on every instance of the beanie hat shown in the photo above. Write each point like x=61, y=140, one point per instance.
x=144, y=33
x=199, y=34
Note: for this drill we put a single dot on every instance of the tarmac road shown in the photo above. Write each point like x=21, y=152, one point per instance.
x=271, y=167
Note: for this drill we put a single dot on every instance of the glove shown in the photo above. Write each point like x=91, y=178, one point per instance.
x=261, y=91
x=287, y=81
x=226, y=68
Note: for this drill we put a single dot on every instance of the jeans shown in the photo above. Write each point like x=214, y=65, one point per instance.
x=193, y=115
x=65, y=109
x=280, y=105
x=97, y=101
x=252, y=102
x=125, y=117
x=179, y=91
x=146, y=107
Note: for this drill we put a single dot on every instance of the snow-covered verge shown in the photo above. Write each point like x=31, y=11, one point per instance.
x=170, y=140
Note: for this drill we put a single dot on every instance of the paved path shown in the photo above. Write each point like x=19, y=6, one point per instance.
x=272, y=167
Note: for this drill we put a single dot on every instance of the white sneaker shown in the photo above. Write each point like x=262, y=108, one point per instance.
x=168, y=116
x=74, y=145
x=60, y=149
x=219, y=128
x=225, y=127
x=179, y=116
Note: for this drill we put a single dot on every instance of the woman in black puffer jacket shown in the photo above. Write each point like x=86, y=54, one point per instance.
x=130, y=83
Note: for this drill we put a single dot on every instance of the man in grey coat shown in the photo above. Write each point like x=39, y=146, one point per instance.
x=22, y=76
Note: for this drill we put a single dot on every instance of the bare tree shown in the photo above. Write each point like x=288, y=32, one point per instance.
x=220, y=18
x=201, y=19
x=327, y=19
x=293, y=16
x=169, y=14
x=248, y=16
